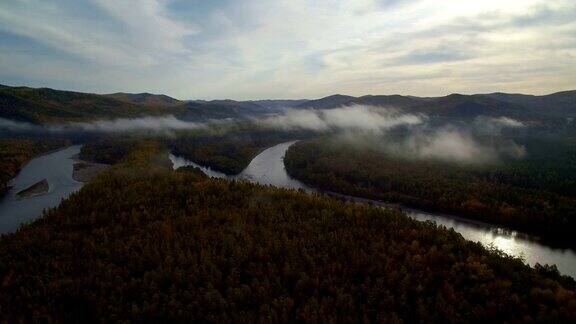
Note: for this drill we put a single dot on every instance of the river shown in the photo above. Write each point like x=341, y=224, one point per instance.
x=56, y=167
x=268, y=168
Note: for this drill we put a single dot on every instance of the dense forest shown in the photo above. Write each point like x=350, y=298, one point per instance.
x=535, y=195
x=231, y=149
x=143, y=243
x=14, y=153
x=108, y=150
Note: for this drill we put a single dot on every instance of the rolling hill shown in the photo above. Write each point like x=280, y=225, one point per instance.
x=46, y=106
x=459, y=106
x=148, y=99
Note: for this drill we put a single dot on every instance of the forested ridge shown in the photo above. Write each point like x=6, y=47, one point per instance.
x=45, y=106
x=14, y=153
x=143, y=243
x=535, y=195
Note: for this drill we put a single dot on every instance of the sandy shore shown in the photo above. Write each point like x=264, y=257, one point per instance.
x=37, y=189
x=85, y=171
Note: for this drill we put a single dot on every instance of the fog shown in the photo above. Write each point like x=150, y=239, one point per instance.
x=477, y=142
x=494, y=126
x=456, y=145
x=154, y=124
x=160, y=124
x=352, y=118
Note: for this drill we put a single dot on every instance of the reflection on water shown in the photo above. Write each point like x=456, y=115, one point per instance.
x=268, y=168
x=510, y=242
x=56, y=168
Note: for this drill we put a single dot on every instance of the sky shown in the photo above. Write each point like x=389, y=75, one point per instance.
x=261, y=49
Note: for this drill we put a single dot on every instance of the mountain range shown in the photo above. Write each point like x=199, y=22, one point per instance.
x=45, y=106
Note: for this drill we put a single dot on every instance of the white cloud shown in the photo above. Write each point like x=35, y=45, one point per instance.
x=149, y=24
x=302, y=48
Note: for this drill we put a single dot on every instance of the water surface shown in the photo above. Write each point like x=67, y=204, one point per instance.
x=56, y=167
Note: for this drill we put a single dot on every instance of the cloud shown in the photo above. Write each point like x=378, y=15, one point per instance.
x=148, y=23
x=352, y=118
x=257, y=49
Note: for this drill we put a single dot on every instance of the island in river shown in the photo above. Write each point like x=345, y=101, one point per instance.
x=39, y=188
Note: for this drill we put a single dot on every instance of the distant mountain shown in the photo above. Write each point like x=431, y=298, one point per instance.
x=396, y=101
x=560, y=104
x=221, y=109
x=146, y=99
x=465, y=107
x=458, y=106
x=328, y=102
x=51, y=106
x=279, y=104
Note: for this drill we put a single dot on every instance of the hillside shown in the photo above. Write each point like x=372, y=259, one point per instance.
x=45, y=106
x=48, y=106
x=143, y=243
x=560, y=104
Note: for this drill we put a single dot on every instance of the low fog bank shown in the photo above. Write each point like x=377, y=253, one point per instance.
x=452, y=144
x=351, y=118
x=163, y=124
x=415, y=136
x=479, y=141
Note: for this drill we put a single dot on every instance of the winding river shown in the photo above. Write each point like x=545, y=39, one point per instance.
x=268, y=168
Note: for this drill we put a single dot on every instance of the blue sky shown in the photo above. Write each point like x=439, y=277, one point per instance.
x=255, y=49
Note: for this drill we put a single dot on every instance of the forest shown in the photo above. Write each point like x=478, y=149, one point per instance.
x=14, y=153
x=141, y=242
x=534, y=195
